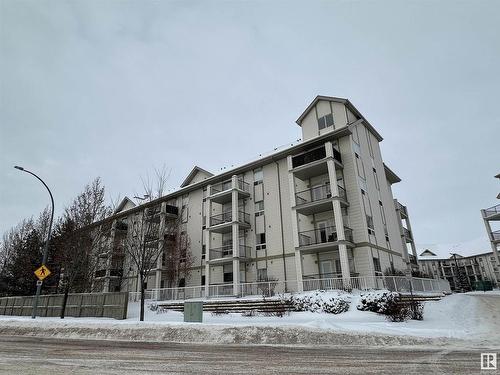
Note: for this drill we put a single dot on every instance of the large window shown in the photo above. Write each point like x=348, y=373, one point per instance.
x=258, y=176
x=376, y=265
x=259, y=208
x=260, y=241
x=325, y=121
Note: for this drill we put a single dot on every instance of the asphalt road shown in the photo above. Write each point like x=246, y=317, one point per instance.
x=31, y=355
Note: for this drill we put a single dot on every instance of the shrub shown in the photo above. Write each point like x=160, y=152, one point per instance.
x=387, y=303
x=267, y=286
x=378, y=302
x=317, y=303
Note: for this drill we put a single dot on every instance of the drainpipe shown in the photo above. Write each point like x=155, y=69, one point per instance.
x=281, y=224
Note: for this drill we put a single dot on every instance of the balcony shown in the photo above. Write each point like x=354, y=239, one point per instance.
x=171, y=210
x=313, y=162
x=225, y=253
x=495, y=235
x=492, y=213
x=317, y=199
x=222, y=222
x=407, y=235
x=322, y=238
x=100, y=273
x=222, y=192
x=116, y=272
x=121, y=226
x=402, y=210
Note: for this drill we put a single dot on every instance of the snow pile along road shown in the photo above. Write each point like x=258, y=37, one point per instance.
x=463, y=320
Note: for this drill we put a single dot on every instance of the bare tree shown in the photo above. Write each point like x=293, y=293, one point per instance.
x=78, y=243
x=178, y=258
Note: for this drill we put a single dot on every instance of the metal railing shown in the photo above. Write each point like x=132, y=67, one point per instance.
x=407, y=234
x=322, y=235
x=226, y=251
x=392, y=283
x=242, y=185
x=228, y=185
x=227, y=217
x=496, y=235
x=402, y=209
x=492, y=210
x=318, y=193
x=220, y=290
x=399, y=284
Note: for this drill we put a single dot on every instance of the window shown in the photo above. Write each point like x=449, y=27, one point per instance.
x=258, y=176
x=325, y=121
x=260, y=241
x=202, y=279
x=262, y=274
x=259, y=208
x=376, y=179
x=368, y=139
x=228, y=277
x=369, y=223
x=376, y=265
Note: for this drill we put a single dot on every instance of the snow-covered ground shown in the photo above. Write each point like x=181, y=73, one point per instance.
x=474, y=318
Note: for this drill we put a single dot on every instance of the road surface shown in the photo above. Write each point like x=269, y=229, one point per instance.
x=31, y=355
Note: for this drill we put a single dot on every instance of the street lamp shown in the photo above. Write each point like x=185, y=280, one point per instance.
x=46, y=246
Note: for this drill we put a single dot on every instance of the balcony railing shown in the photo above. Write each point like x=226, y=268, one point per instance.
x=100, y=273
x=322, y=235
x=221, y=252
x=407, y=234
x=226, y=251
x=116, y=272
x=492, y=210
x=242, y=185
x=172, y=210
x=228, y=185
x=313, y=155
x=121, y=225
x=403, y=210
x=318, y=193
x=227, y=217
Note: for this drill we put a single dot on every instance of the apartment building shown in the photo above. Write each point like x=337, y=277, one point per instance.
x=470, y=269
x=491, y=218
x=320, y=209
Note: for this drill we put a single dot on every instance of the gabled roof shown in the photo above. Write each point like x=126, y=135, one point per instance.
x=427, y=253
x=193, y=173
x=390, y=175
x=123, y=204
x=347, y=103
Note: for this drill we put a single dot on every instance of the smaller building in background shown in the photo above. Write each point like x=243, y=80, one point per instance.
x=462, y=272
x=491, y=218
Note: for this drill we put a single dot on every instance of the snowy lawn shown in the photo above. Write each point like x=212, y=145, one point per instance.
x=459, y=316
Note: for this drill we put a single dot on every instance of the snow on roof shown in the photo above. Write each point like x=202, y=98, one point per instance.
x=475, y=246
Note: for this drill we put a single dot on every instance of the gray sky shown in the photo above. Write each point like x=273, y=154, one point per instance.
x=116, y=88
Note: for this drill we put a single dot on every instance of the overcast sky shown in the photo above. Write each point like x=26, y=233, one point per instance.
x=116, y=88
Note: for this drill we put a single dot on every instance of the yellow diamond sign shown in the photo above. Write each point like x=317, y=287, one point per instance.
x=42, y=272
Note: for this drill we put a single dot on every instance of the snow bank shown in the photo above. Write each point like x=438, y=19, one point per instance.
x=459, y=319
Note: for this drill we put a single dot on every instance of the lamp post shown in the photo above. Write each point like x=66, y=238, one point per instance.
x=46, y=246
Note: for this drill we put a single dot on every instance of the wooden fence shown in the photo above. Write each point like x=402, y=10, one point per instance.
x=99, y=305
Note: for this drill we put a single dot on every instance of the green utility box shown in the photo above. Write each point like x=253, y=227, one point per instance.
x=193, y=311
x=483, y=285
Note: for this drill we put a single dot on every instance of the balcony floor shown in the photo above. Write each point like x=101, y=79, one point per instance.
x=318, y=206
x=323, y=247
